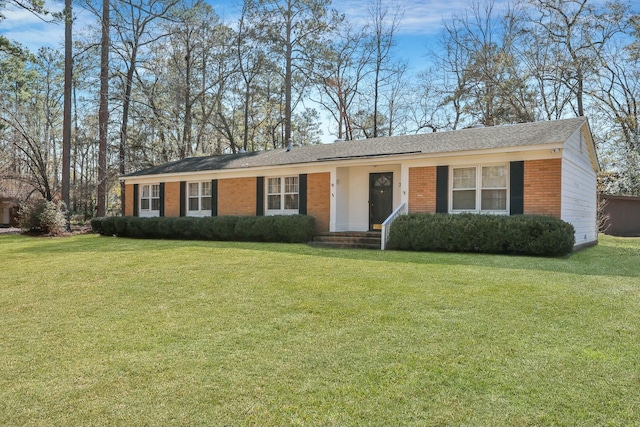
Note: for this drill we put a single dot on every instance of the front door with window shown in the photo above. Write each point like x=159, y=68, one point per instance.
x=380, y=198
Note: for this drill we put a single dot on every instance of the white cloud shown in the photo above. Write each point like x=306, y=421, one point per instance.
x=29, y=30
x=37, y=36
x=421, y=17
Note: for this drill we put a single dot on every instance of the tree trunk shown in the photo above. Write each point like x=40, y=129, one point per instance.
x=186, y=133
x=126, y=102
x=66, y=120
x=288, y=81
x=103, y=113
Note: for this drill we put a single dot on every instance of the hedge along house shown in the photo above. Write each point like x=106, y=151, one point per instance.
x=543, y=168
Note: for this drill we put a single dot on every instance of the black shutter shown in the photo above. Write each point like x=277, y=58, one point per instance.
x=302, y=194
x=516, y=188
x=442, y=189
x=162, y=199
x=135, y=199
x=260, y=196
x=214, y=197
x=183, y=198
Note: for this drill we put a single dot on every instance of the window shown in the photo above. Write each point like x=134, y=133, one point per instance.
x=150, y=198
x=199, y=196
x=479, y=189
x=494, y=188
x=274, y=196
x=464, y=189
x=282, y=195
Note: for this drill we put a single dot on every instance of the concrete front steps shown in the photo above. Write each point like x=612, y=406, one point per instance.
x=348, y=239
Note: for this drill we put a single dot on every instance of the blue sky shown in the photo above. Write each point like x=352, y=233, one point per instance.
x=421, y=22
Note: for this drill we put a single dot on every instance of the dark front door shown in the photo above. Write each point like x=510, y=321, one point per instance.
x=380, y=198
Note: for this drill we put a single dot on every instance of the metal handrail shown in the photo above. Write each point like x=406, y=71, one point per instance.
x=386, y=225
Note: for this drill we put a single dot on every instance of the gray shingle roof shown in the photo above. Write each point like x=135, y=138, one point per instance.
x=472, y=139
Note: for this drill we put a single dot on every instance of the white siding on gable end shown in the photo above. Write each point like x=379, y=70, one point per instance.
x=579, y=195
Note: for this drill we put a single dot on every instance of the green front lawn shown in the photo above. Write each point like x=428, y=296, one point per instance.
x=113, y=331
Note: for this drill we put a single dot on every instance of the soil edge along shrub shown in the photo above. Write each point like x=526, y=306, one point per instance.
x=497, y=234
x=276, y=229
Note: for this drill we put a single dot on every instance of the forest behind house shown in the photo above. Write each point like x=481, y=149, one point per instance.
x=159, y=80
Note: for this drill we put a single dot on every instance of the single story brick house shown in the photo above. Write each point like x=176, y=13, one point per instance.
x=545, y=168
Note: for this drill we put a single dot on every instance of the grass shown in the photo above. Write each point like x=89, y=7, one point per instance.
x=112, y=331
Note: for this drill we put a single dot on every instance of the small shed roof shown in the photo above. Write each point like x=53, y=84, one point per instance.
x=471, y=139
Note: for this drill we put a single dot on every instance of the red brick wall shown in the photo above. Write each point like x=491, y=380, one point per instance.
x=319, y=199
x=172, y=199
x=422, y=189
x=237, y=196
x=128, y=200
x=542, y=187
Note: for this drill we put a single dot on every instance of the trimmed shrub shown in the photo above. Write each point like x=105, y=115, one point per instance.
x=44, y=217
x=223, y=228
x=119, y=227
x=245, y=230
x=96, y=225
x=183, y=227
x=296, y=228
x=519, y=234
x=139, y=228
x=286, y=229
x=108, y=226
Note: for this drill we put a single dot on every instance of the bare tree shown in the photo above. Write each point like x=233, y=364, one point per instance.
x=133, y=22
x=295, y=30
x=384, y=30
x=479, y=57
x=31, y=153
x=250, y=62
x=553, y=98
x=577, y=31
x=340, y=75
x=617, y=98
x=426, y=111
x=452, y=63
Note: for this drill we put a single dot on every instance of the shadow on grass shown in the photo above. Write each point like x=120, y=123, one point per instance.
x=611, y=257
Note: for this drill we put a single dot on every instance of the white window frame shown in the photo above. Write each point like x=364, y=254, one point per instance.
x=282, y=192
x=151, y=194
x=198, y=197
x=479, y=188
